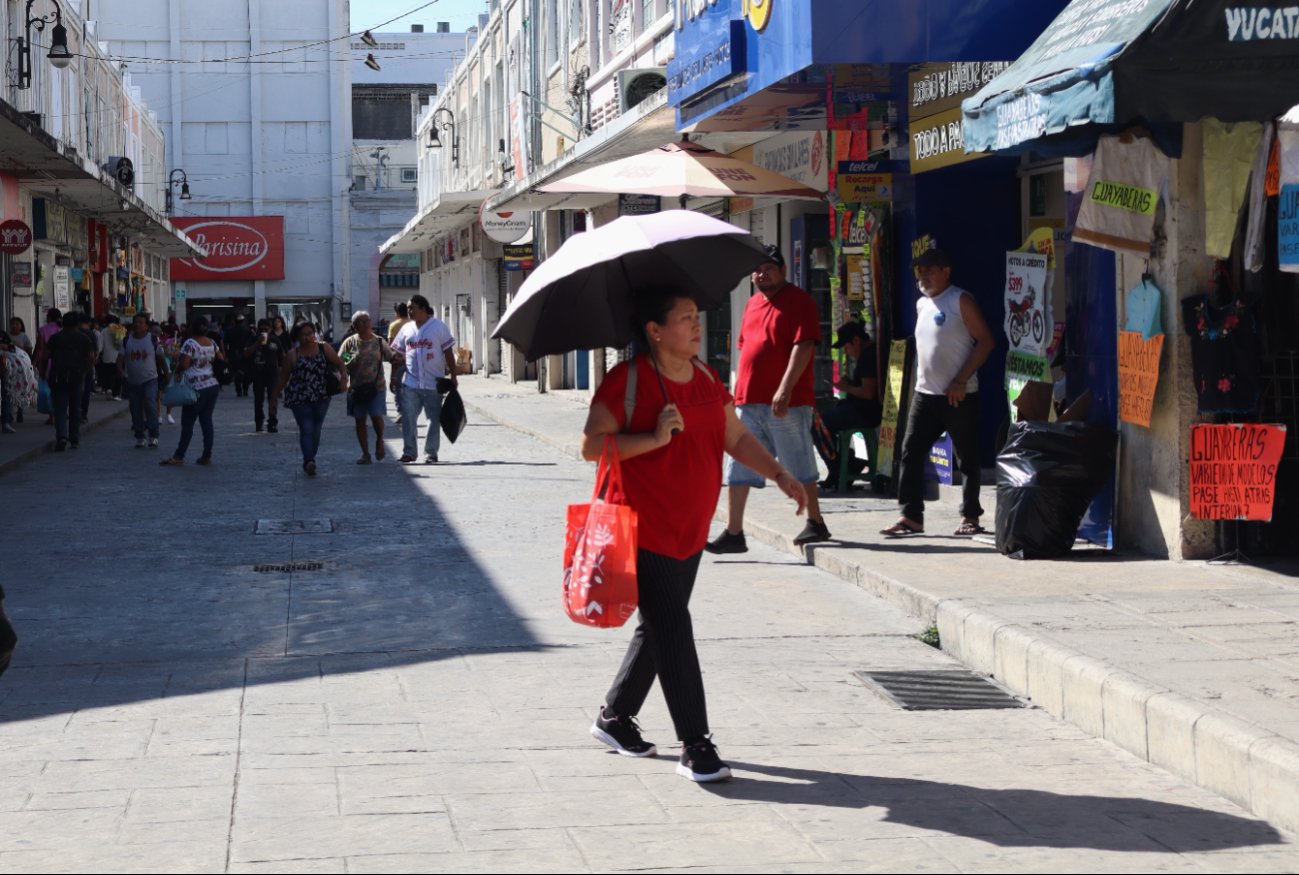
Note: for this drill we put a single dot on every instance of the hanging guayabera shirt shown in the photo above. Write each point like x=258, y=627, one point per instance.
x=1118, y=210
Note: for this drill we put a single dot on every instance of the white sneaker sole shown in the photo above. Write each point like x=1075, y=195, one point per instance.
x=600, y=735
x=721, y=775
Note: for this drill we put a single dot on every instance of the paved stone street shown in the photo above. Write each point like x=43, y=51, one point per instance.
x=420, y=703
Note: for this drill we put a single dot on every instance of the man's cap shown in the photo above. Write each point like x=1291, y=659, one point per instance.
x=848, y=332
x=773, y=255
x=932, y=258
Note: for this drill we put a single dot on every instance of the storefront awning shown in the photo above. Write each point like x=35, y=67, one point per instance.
x=452, y=211
x=1109, y=64
x=647, y=125
x=50, y=168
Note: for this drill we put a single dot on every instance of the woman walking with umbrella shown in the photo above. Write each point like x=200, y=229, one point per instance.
x=671, y=426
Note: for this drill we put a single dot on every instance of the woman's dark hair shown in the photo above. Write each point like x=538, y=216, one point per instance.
x=652, y=304
x=53, y=315
x=198, y=325
x=400, y=309
x=278, y=321
x=22, y=326
x=296, y=334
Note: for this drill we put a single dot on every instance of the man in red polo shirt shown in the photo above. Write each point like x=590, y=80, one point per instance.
x=774, y=396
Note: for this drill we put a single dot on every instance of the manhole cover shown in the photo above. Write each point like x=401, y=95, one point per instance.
x=938, y=690
x=294, y=527
x=288, y=566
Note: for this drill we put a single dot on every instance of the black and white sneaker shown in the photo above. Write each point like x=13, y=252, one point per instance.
x=701, y=764
x=727, y=543
x=622, y=734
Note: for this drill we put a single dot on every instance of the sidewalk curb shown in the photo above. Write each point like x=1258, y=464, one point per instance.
x=13, y=464
x=573, y=449
x=1251, y=766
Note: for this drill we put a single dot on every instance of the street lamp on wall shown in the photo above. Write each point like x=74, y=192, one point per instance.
x=177, y=177
x=58, y=55
x=435, y=142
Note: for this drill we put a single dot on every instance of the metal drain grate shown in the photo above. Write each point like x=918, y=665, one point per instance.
x=288, y=566
x=294, y=527
x=938, y=690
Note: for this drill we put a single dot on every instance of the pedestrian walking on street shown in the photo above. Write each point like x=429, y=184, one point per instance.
x=364, y=353
x=429, y=351
x=774, y=396
x=671, y=427
x=305, y=383
x=67, y=359
x=399, y=365
x=197, y=354
x=89, y=329
x=140, y=363
x=110, y=346
x=280, y=334
x=952, y=343
x=265, y=357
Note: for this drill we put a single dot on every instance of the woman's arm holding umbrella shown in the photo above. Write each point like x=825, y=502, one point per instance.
x=600, y=423
x=749, y=451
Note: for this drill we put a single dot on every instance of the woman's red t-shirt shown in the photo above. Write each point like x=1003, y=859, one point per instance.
x=674, y=489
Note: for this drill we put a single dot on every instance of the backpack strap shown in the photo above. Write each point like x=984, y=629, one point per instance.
x=629, y=398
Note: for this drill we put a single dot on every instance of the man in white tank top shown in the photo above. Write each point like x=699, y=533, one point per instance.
x=952, y=343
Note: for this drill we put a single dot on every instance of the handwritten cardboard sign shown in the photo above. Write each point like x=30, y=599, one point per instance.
x=1138, y=375
x=1233, y=470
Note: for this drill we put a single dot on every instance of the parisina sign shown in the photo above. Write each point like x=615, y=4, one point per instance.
x=238, y=248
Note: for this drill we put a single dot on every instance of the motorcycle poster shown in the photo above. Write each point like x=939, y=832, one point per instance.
x=1026, y=303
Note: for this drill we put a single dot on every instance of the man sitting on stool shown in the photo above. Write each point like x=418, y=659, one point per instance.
x=861, y=408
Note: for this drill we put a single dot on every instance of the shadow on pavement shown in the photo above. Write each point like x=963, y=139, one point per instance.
x=127, y=581
x=1008, y=818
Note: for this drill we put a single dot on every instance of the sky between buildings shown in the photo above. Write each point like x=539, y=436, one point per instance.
x=371, y=14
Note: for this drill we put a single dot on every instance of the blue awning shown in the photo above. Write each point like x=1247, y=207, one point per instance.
x=1066, y=77
x=1108, y=64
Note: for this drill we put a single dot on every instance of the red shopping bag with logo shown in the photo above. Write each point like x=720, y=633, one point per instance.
x=600, y=551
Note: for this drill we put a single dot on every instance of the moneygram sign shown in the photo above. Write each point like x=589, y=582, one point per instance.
x=238, y=248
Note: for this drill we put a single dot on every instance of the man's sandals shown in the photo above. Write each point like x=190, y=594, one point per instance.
x=904, y=527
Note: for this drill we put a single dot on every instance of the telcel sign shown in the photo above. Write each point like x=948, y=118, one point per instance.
x=506, y=227
x=247, y=247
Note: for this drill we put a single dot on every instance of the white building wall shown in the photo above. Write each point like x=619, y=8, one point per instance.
x=260, y=139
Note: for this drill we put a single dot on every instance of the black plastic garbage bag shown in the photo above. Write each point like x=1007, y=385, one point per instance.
x=453, y=418
x=1047, y=475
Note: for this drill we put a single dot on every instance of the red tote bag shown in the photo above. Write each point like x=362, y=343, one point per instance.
x=600, y=551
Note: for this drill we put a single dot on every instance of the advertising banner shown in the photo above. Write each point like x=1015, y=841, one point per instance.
x=1025, y=323
x=894, y=397
x=238, y=248
x=1233, y=470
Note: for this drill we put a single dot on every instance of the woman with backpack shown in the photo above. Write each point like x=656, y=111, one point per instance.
x=671, y=419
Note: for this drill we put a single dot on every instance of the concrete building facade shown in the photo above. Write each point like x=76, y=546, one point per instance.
x=255, y=101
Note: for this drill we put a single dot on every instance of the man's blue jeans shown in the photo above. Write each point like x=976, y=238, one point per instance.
x=144, y=407
x=413, y=401
x=311, y=422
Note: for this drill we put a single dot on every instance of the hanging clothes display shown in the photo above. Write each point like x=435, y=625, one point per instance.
x=1224, y=355
x=1228, y=158
x=1143, y=306
x=1118, y=209
x=1260, y=179
x=1287, y=225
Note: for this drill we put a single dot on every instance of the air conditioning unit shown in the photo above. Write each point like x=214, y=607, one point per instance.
x=121, y=169
x=637, y=84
